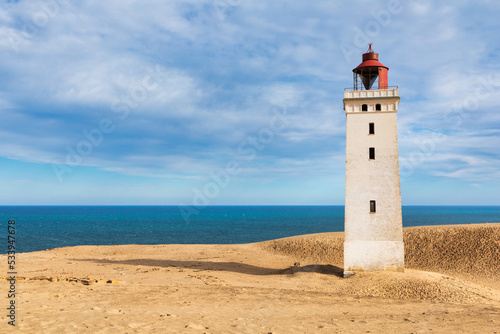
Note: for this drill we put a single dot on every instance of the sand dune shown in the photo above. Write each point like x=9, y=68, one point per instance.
x=292, y=285
x=467, y=251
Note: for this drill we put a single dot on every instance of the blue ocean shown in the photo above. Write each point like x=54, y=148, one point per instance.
x=44, y=227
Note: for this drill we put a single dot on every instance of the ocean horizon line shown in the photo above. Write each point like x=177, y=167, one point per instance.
x=41, y=227
x=234, y=205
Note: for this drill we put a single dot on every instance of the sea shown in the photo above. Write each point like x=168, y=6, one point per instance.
x=44, y=227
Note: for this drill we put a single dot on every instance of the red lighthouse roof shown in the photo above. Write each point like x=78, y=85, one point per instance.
x=370, y=59
x=369, y=71
x=370, y=63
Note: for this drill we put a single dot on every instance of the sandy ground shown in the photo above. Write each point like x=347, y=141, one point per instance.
x=292, y=285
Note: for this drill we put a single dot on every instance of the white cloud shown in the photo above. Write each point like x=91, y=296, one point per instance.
x=225, y=69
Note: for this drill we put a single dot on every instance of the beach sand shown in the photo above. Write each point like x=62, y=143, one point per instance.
x=451, y=284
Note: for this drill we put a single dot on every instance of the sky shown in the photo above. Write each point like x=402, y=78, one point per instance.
x=239, y=102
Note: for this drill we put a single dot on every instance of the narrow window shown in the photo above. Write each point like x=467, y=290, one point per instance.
x=372, y=153
x=364, y=107
x=371, y=129
x=373, y=207
x=378, y=107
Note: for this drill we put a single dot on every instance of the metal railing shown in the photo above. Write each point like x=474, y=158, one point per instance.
x=354, y=89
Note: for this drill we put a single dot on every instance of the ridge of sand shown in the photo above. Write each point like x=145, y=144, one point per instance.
x=471, y=252
x=290, y=285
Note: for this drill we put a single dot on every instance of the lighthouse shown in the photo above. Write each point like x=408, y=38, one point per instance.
x=373, y=219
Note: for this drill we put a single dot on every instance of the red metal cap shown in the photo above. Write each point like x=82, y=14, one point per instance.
x=370, y=55
x=370, y=59
x=369, y=70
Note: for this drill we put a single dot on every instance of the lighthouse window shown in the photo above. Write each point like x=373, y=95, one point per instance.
x=371, y=129
x=364, y=107
x=373, y=207
x=372, y=153
x=378, y=107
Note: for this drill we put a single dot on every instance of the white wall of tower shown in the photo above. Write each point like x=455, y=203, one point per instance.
x=373, y=241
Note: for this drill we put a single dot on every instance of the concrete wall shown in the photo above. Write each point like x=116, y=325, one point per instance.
x=374, y=241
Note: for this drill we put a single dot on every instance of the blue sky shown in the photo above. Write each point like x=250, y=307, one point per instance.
x=239, y=102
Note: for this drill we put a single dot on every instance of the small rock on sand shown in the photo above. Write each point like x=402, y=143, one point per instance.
x=195, y=326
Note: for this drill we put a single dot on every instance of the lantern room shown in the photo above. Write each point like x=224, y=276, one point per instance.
x=370, y=73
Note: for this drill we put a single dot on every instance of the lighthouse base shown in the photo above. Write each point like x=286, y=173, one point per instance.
x=373, y=256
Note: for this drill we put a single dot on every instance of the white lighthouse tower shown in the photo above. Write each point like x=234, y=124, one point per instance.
x=373, y=221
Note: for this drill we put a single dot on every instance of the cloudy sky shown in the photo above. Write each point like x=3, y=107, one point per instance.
x=238, y=101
